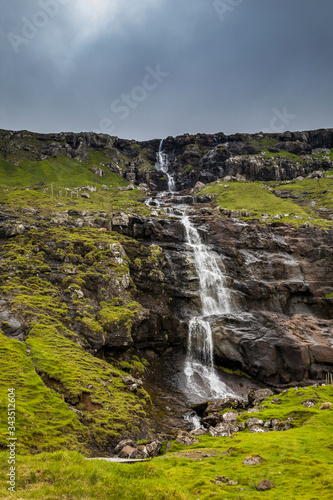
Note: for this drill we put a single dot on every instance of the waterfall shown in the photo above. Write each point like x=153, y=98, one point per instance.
x=162, y=165
x=201, y=376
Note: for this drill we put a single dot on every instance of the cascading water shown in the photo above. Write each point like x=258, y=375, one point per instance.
x=201, y=376
x=162, y=165
x=202, y=380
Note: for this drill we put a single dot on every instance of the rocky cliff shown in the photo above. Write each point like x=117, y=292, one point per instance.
x=97, y=288
x=192, y=158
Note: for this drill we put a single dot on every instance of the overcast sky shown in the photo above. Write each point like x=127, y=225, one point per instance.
x=146, y=69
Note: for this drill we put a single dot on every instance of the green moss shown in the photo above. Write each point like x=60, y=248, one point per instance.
x=43, y=420
x=329, y=295
x=92, y=384
x=112, y=313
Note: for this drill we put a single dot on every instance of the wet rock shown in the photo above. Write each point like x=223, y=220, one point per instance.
x=265, y=485
x=127, y=452
x=212, y=420
x=221, y=404
x=123, y=443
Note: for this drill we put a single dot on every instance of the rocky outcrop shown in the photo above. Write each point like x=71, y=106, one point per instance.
x=192, y=158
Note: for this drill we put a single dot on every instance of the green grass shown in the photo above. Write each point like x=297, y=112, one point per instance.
x=61, y=170
x=253, y=197
x=248, y=196
x=299, y=462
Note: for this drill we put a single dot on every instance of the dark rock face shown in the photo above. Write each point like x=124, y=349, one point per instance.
x=192, y=158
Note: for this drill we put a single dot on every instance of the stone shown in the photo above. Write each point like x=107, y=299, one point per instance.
x=265, y=485
x=253, y=421
x=252, y=460
x=10, y=325
x=255, y=397
x=223, y=430
x=282, y=426
x=98, y=171
x=123, y=443
x=229, y=417
x=153, y=448
x=85, y=195
x=121, y=220
x=212, y=420
x=326, y=406
x=14, y=230
x=309, y=403
x=198, y=432
x=257, y=429
x=199, y=185
x=186, y=438
x=222, y=479
x=127, y=452
x=221, y=404
x=132, y=383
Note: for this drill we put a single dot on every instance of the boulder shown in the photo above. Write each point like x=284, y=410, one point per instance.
x=255, y=397
x=186, y=438
x=265, y=485
x=230, y=417
x=98, y=171
x=123, y=443
x=253, y=421
x=127, y=452
x=252, y=460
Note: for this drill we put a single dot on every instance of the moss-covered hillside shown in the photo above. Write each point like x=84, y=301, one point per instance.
x=298, y=462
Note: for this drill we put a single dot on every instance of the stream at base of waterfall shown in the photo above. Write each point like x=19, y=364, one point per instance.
x=201, y=378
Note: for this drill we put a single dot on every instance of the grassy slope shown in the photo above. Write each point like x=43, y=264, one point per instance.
x=61, y=170
x=255, y=198
x=53, y=346
x=299, y=462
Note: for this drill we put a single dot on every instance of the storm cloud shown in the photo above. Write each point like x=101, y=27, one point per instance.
x=147, y=69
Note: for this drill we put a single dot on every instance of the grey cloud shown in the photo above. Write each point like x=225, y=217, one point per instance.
x=225, y=75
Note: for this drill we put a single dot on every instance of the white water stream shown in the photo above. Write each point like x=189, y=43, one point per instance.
x=201, y=379
x=162, y=165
